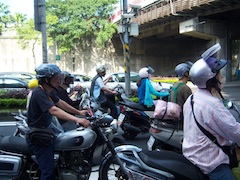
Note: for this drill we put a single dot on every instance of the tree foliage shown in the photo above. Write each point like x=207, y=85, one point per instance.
x=75, y=22
x=5, y=17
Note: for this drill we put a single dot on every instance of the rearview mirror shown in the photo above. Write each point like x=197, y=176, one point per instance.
x=227, y=103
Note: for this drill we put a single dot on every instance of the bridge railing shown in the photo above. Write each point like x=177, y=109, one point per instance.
x=167, y=8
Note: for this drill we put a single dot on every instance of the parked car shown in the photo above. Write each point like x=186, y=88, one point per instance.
x=119, y=78
x=13, y=83
x=23, y=75
x=82, y=80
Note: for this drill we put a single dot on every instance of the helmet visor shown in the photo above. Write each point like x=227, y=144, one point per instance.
x=215, y=64
x=150, y=70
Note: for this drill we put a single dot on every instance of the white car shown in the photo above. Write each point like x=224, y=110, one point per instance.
x=119, y=78
x=82, y=80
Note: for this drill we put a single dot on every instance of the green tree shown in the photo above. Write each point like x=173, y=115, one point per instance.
x=19, y=19
x=5, y=17
x=78, y=23
x=27, y=35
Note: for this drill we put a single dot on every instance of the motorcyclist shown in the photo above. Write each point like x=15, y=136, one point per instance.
x=62, y=90
x=41, y=110
x=212, y=115
x=145, y=88
x=180, y=91
x=104, y=95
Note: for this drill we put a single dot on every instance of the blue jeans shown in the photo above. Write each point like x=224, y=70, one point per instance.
x=45, y=159
x=222, y=172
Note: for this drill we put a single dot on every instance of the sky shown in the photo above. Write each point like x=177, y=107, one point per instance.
x=20, y=6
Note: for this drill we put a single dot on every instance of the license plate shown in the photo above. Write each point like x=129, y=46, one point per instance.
x=150, y=143
x=120, y=118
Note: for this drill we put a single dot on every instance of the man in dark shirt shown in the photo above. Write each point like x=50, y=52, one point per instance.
x=61, y=92
x=41, y=111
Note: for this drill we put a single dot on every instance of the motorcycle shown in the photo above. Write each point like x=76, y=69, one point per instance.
x=22, y=126
x=73, y=152
x=135, y=118
x=168, y=134
x=151, y=165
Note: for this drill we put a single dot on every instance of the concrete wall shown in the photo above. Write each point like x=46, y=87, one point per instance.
x=163, y=54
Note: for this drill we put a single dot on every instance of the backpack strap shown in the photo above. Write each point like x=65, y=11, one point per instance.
x=175, y=91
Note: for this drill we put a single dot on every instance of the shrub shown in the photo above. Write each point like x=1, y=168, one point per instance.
x=10, y=103
x=13, y=99
x=17, y=94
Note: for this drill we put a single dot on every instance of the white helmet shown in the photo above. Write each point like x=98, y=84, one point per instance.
x=144, y=72
x=101, y=68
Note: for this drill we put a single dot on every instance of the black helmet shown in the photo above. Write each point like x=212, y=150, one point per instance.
x=47, y=70
x=66, y=75
x=67, y=78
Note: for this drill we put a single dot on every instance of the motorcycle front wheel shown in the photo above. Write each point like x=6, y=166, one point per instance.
x=111, y=170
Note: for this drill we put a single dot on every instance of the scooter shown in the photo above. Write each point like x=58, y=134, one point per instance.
x=150, y=165
x=168, y=134
x=73, y=152
x=135, y=118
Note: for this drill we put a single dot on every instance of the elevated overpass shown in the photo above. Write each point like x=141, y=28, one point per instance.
x=174, y=31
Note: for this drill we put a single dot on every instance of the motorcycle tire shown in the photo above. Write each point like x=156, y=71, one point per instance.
x=111, y=170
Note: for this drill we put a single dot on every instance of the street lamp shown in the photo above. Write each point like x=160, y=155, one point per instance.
x=127, y=30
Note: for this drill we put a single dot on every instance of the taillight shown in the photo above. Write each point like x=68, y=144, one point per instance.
x=153, y=130
x=122, y=109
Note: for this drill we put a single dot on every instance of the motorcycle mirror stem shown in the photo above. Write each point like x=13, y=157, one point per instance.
x=231, y=105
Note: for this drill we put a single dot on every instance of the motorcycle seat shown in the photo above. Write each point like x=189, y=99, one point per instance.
x=14, y=144
x=137, y=106
x=173, y=163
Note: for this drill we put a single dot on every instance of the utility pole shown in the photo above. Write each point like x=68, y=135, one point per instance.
x=126, y=30
x=126, y=49
x=40, y=25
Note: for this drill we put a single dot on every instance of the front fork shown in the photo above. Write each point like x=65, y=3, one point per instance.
x=113, y=152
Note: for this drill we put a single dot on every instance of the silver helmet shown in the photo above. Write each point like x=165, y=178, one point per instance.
x=203, y=70
x=206, y=67
x=101, y=68
x=182, y=68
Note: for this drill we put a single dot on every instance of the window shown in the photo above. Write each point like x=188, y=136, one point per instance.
x=12, y=83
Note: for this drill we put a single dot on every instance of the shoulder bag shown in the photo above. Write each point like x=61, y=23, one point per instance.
x=41, y=136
